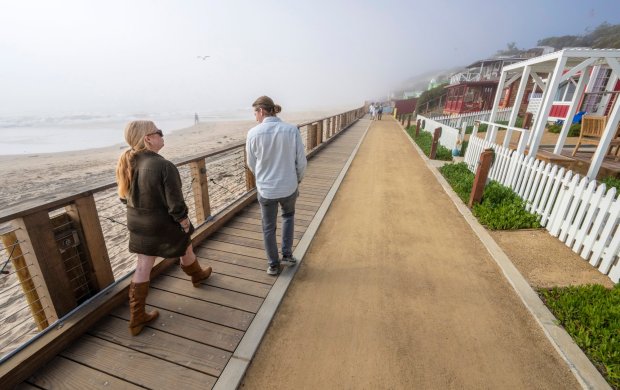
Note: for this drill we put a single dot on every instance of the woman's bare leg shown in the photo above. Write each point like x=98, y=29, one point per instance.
x=143, y=269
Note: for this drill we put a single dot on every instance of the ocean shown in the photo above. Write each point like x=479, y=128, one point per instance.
x=22, y=135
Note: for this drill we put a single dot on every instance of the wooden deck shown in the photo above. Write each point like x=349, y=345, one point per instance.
x=199, y=329
x=581, y=161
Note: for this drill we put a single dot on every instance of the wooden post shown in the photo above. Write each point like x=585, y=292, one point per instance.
x=83, y=213
x=408, y=121
x=480, y=180
x=333, y=131
x=14, y=252
x=417, y=128
x=312, y=130
x=44, y=261
x=527, y=120
x=250, y=180
x=328, y=128
x=308, y=138
x=319, y=133
x=436, y=137
x=200, y=189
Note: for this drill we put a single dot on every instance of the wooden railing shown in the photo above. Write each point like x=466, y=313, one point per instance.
x=65, y=248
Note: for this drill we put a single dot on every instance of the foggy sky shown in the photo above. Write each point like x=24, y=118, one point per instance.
x=63, y=57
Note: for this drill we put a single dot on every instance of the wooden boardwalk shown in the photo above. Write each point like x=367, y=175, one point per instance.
x=199, y=329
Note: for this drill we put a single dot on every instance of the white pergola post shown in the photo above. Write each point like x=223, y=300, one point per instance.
x=608, y=134
x=545, y=108
x=515, y=108
x=581, y=86
x=492, y=131
x=612, y=124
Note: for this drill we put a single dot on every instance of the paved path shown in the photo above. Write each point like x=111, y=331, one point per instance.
x=396, y=291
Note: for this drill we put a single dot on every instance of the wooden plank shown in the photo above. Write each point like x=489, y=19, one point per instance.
x=167, y=346
x=248, y=242
x=250, y=231
x=255, y=208
x=301, y=220
x=218, y=314
x=62, y=373
x=199, y=330
x=208, y=293
x=25, y=386
x=255, y=274
x=144, y=370
x=253, y=220
x=211, y=253
x=237, y=284
x=231, y=248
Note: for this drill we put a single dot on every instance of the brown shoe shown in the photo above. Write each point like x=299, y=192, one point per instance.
x=138, y=317
x=196, y=272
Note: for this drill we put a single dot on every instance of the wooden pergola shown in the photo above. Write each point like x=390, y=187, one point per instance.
x=548, y=72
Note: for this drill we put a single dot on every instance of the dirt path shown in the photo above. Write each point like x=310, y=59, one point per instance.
x=397, y=292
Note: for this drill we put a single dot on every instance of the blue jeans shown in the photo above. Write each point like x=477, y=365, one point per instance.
x=269, y=211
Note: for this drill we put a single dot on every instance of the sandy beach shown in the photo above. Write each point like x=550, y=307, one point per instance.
x=26, y=177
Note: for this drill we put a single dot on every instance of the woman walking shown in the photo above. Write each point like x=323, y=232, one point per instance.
x=157, y=216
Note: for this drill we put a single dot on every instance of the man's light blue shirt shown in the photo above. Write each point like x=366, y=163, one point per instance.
x=276, y=156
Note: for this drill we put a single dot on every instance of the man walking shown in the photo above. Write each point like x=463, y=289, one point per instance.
x=276, y=156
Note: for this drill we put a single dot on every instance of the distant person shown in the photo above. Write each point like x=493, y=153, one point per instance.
x=379, y=111
x=157, y=217
x=276, y=156
x=373, y=111
x=196, y=119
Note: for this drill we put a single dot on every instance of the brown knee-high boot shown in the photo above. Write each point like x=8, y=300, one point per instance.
x=196, y=272
x=138, y=315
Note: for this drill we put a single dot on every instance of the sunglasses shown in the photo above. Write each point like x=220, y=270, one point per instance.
x=158, y=132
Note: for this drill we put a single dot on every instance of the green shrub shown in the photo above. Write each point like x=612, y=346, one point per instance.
x=574, y=130
x=611, y=181
x=481, y=129
x=460, y=179
x=425, y=140
x=464, y=145
x=502, y=209
x=591, y=315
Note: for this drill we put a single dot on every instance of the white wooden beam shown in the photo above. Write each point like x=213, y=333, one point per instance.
x=613, y=64
x=515, y=108
x=574, y=70
x=492, y=131
x=581, y=86
x=538, y=81
x=608, y=134
x=545, y=108
x=513, y=79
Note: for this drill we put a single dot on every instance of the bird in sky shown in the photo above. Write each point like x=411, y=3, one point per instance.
x=203, y=57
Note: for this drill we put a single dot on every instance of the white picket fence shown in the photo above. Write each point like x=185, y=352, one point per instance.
x=581, y=213
x=449, y=135
x=456, y=121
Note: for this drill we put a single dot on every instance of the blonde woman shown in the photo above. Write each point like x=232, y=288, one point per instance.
x=157, y=216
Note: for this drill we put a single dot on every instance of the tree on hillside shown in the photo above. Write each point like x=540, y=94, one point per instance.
x=510, y=51
x=605, y=36
x=430, y=99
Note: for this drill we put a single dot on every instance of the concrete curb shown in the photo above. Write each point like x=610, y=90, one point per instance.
x=239, y=362
x=586, y=374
